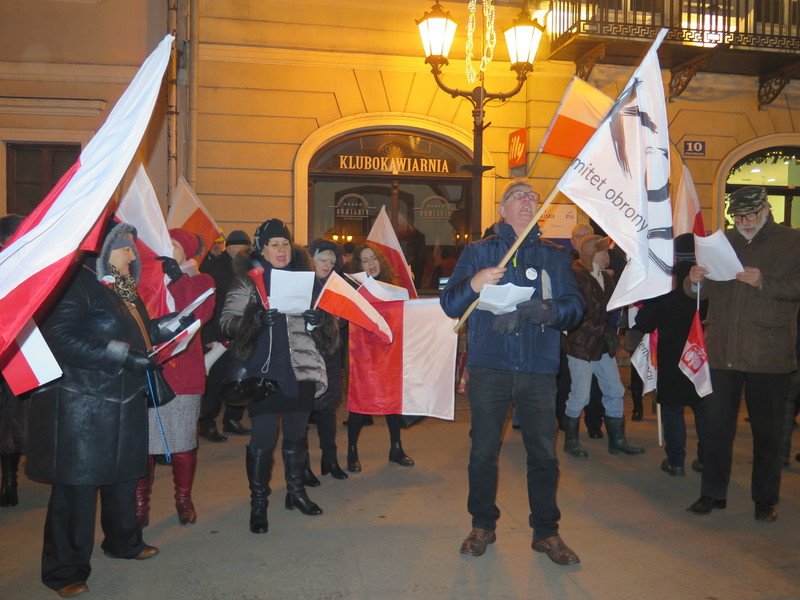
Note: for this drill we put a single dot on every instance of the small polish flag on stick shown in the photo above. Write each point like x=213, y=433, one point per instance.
x=694, y=360
x=166, y=350
x=340, y=299
x=382, y=235
x=378, y=291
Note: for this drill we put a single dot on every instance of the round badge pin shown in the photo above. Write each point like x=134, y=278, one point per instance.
x=531, y=273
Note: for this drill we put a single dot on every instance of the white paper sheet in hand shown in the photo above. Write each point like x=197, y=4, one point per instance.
x=174, y=323
x=290, y=291
x=715, y=253
x=501, y=299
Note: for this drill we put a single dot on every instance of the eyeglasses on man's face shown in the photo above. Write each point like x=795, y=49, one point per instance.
x=520, y=195
x=751, y=216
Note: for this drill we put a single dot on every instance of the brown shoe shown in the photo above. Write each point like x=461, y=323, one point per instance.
x=73, y=589
x=556, y=550
x=476, y=542
x=148, y=552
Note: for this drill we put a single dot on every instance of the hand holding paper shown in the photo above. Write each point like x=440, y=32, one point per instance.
x=715, y=253
x=501, y=299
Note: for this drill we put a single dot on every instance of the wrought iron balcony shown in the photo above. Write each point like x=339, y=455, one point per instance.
x=741, y=37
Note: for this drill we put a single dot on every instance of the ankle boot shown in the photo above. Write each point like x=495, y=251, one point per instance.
x=330, y=466
x=398, y=455
x=309, y=479
x=617, y=444
x=143, y=489
x=259, y=470
x=353, y=464
x=571, y=432
x=184, y=465
x=8, y=487
x=295, y=455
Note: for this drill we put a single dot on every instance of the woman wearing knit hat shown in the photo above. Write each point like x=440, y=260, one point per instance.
x=186, y=376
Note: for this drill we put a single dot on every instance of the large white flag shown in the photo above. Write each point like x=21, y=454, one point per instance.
x=621, y=180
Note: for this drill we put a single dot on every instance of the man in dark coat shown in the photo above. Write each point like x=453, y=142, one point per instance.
x=513, y=359
x=751, y=335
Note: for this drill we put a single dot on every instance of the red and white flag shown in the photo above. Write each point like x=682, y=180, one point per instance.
x=69, y=218
x=621, y=180
x=694, y=360
x=378, y=291
x=30, y=361
x=383, y=236
x=687, y=218
x=414, y=374
x=140, y=207
x=581, y=110
x=339, y=298
x=166, y=350
x=187, y=212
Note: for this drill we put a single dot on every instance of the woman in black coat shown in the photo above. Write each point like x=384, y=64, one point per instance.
x=91, y=424
x=672, y=315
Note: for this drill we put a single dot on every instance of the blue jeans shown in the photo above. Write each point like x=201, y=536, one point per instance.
x=491, y=393
x=607, y=374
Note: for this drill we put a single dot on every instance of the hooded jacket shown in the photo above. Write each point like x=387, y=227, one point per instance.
x=537, y=263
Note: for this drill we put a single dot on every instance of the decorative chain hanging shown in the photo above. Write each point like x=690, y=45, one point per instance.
x=490, y=38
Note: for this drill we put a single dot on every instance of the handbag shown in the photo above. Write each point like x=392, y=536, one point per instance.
x=239, y=389
x=158, y=390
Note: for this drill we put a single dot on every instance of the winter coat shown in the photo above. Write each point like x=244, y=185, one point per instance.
x=672, y=314
x=221, y=271
x=286, y=352
x=186, y=373
x=755, y=329
x=90, y=426
x=537, y=263
x=588, y=340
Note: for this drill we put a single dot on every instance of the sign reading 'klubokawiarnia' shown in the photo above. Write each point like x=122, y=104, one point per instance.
x=392, y=164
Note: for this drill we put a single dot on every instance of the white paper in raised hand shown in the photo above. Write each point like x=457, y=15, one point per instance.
x=715, y=253
x=290, y=291
x=501, y=299
x=174, y=323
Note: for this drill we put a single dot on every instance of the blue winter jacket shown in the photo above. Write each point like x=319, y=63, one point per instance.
x=533, y=348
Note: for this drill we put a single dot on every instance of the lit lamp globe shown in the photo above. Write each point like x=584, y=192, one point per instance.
x=437, y=30
x=523, y=39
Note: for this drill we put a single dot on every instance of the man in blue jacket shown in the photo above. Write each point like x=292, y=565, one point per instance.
x=514, y=358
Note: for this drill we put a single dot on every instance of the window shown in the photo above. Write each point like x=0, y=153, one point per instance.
x=33, y=170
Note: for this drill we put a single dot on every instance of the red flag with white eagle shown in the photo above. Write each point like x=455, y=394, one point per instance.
x=187, y=212
x=414, y=374
x=382, y=235
x=694, y=360
x=339, y=298
x=70, y=218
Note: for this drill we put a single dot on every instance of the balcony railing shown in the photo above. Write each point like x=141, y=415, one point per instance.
x=771, y=25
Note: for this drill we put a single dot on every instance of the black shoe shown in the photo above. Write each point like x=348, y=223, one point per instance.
x=398, y=455
x=333, y=469
x=705, y=504
x=353, y=464
x=673, y=471
x=797, y=457
x=638, y=413
x=309, y=479
x=234, y=427
x=517, y=426
x=596, y=434
x=697, y=466
x=212, y=435
x=765, y=512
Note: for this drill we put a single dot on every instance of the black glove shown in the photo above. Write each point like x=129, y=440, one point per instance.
x=186, y=321
x=138, y=363
x=312, y=317
x=537, y=311
x=170, y=267
x=507, y=323
x=266, y=318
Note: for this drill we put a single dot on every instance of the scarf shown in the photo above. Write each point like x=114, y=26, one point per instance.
x=124, y=285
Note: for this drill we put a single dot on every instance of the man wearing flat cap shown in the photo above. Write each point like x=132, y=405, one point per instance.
x=751, y=334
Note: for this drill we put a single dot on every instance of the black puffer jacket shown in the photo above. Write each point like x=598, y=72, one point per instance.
x=588, y=340
x=90, y=426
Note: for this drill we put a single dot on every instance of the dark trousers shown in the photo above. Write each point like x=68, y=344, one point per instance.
x=326, y=430
x=764, y=395
x=675, y=432
x=355, y=421
x=637, y=388
x=491, y=393
x=264, y=433
x=69, y=529
x=212, y=400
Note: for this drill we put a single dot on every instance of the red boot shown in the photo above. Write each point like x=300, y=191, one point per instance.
x=183, y=467
x=143, y=489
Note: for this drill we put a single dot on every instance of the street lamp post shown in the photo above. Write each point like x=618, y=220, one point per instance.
x=437, y=30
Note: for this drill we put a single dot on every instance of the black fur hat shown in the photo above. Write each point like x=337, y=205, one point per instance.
x=268, y=230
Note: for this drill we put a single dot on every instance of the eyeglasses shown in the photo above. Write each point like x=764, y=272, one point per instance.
x=520, y=195
x=751, y=216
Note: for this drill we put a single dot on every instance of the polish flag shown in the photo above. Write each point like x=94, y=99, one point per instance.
x=187, y=212
x=339, y=298
x=378, y=291
x=70, y=218
x=30, y=363
x=687, y=218
x=166, y=350
x=581, y=110
x=140, y=207
x=694, y=360
x=383, y=236
x=414, y=374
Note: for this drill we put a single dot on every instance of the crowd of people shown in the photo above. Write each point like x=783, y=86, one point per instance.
x=104, y=424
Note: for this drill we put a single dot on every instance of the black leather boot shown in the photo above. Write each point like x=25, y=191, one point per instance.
x=329, y=465
x=309, y=479
x=353, y=464
x=8, y=487
x=398, y=455
x=571, y=444
x=295, y=455
x=259, y=470
x=617, y=444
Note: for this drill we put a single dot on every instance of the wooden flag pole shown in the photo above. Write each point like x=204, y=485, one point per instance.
x=511, y=251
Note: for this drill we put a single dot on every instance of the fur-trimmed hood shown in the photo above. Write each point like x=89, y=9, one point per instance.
x=103, y=268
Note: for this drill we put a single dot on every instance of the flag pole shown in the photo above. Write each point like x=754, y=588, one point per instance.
x=511, y=251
